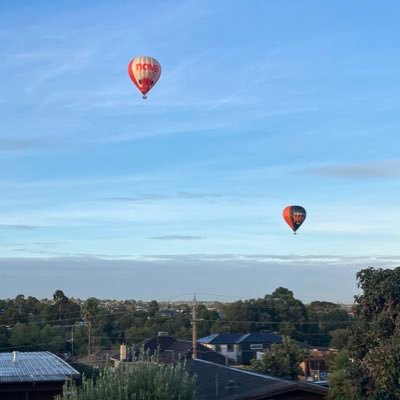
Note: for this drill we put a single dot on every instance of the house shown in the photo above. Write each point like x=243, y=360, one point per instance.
x=33, y=375
x=315, y=366
x=243, y=347
x=217, y=377
x=224, y=343
x=169, y=349
x=219, y=382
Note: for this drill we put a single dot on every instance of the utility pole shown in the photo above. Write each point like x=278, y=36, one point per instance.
x=194, y=330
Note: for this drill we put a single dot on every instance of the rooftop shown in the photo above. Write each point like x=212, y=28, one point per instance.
x=170, y=349
x=236, y=338
x=221, y=338
x=40, y=366
x=226, y=383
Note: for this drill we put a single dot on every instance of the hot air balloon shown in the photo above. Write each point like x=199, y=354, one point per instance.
x=144, y=72
x=294, y=216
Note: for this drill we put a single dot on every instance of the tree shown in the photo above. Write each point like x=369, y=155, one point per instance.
x=52, y=339
x=59, y=296
x=64, y=309
x=80, y=340
x=288, y=311
x=279, y=311
x=32, y=305
x=237, y=311
x=282, y=360
x=90, y=310
x=20, y=301
x=373, y=340
x=4, y=337
x=339, y=339
x=153, y=308
x=325, y=318
x=141, y=380
x=25, y=337
x=340, y=387
x=206, y=319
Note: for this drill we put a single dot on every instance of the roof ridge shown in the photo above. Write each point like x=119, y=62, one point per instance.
x=243, y=337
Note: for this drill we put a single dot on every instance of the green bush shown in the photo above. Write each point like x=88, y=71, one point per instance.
x=140, y=380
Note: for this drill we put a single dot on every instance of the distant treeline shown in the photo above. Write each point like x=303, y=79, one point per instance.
x=63, y=325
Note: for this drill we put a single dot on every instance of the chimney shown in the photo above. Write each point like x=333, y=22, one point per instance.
x=14, y=353
x=162, y=333
x=122, y=352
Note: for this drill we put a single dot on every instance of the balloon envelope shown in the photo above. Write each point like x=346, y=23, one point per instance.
x=144, y=72
x=294, y=216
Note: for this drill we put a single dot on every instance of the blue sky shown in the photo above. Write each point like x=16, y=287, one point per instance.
x=261, y=104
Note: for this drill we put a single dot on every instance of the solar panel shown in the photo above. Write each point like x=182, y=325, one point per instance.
x=34, y=367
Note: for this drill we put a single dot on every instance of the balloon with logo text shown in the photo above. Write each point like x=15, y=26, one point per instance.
x=294, y=216
x=144, y=72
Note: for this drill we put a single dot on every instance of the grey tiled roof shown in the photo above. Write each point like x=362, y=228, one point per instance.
x=236, y=338
x=40, y=366
x=221, y=338
x=169, y=347
x=227, y=383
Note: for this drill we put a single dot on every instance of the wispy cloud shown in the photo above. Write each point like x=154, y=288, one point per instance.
x=176, y=237
x=301, y=274
x=31, y=143
x=235, y=260
x=377, y=169
x=72, y=63
x=191, y=195
x=19, y=227
x=134, y=199
x=159, y=196
x=77, y=182
x=315, y=260
x=188, y=128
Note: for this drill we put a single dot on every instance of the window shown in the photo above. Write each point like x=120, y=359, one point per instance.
x=258, y=346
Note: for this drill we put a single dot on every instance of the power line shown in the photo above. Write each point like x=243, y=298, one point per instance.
x=218, y=320
x=259, y=307
x=279, y=322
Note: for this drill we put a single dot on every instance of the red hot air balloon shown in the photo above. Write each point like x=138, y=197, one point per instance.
x=294, y=216
x=144, y=72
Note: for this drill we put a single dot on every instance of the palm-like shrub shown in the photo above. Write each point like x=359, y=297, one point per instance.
x=141, y=380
